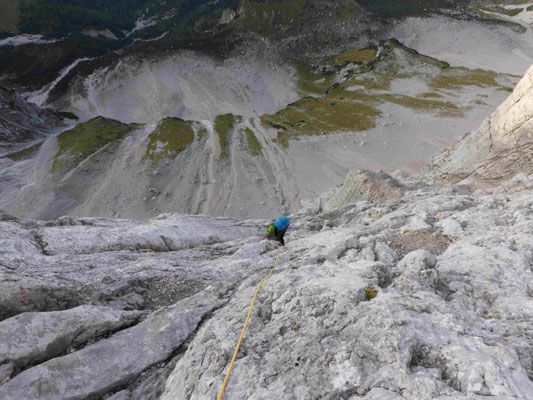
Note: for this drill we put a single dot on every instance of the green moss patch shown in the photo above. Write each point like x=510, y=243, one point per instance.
x=25, y=153
x=86, y=138
x=170, y=137
x=530, y=8
x=356, y=55
x=254, y=147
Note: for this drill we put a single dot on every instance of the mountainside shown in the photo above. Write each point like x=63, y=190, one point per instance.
x=427, y=296
x=496, y=151
x=22, y=123
x=244, y=137
x=407, y=282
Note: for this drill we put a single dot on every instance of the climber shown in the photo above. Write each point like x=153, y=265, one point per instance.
x=278, y=229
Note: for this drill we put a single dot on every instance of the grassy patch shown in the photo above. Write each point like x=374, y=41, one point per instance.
x=86, y=138
x=319, y=116
x=456, y=78
x=254, y=147
x=9, y=16
x=511, y=12
x=444, y=109
x=356, y=55
x=201, y=131
x=482, y=11
x=530, y=8
x=309, y=81
x=171, y=136
x=25, y=153
x=223, y=124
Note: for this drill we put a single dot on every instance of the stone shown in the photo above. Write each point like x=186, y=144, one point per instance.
x=6, y=371
x=106, y=364
x=122, y=395
x=45, y=335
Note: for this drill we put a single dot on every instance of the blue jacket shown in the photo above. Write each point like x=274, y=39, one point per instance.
x=282, y=223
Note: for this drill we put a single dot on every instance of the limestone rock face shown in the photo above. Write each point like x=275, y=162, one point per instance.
x=42, y=336
x=428, y=296
x=496, y=151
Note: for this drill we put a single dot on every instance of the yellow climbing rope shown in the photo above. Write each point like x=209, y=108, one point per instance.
x=244, y=329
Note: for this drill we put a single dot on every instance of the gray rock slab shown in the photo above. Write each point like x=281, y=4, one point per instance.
x=122, y=395
x=109, y=363
x=23, y=293
x=6, y=370
x=34, y=337
x=168, y=232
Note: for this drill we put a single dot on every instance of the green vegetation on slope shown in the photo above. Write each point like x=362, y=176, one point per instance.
x=318, y=116
x=223, y=124
x=346, y=98
x=265, y=16
x=357, y=55
x=511, y=12
x=170, y=137
x=86, y=138
x=309, y=81
x=25, y=153
x=9, y=16
x=254, y=147
x=456, y=78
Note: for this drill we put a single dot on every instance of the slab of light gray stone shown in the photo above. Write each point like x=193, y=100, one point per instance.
x=167, y=232
x=122, y=395
x=109, y=363
x=43, y=335
x=6, y=370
